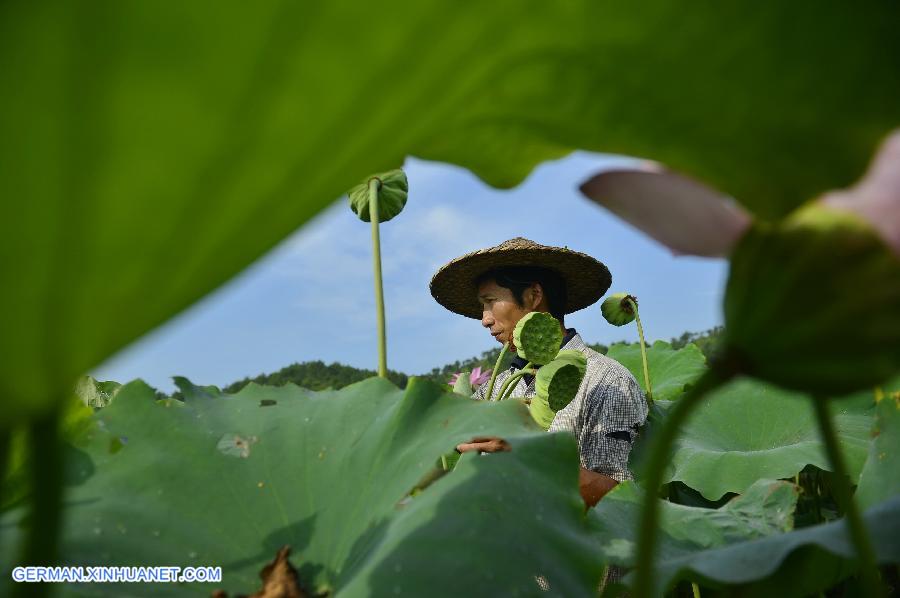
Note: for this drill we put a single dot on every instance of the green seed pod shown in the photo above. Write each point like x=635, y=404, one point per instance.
x=558, y=381
x=617, y=309
x=392, y=194
x=463, y=384
x=537, y=337
x=813, y=304
x=541, y=413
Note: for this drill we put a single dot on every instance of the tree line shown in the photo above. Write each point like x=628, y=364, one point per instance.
x=317, y=375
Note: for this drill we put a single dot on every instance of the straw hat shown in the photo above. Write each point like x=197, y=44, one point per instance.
x=453, y=286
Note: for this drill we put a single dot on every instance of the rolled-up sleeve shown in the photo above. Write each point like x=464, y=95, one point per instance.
x=612, y=414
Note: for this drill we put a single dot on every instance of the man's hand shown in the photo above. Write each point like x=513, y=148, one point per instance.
x=484, y=444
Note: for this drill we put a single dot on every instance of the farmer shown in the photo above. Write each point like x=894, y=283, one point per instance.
x=502, y=284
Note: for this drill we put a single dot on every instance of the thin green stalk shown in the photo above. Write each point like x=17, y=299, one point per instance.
x=444, y=463
x=46, y=470
x=5, y=451
x=510, y=384
x=695, y=589
x=490, y=389
x=658, y=455
x=858, y=532
x=374, y=186
x=637, y=318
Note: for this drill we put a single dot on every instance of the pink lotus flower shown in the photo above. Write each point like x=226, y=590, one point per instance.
x=476, y=378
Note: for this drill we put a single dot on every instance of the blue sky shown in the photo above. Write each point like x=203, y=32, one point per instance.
x=312, y=297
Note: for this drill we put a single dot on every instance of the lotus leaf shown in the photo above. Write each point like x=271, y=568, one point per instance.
x=749, y=430
x=181, y=143
x=880, y=477
x=392, y=191
x=671, y=370
x=94, y=393
x=329, y=474
x=742, y=544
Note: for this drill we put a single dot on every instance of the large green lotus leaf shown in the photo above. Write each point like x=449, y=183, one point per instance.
x=742, y=544
x=151, y=151
x=880, y=477
x=671, y=370
x=749, y=430
x=228, y=479
x=766, y=508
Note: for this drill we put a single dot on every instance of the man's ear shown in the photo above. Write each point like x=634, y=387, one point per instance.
x=536, y=292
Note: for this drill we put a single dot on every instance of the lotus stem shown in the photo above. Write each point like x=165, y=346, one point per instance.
x=496, y=369
x=5, y=451
x=510, y=383
x=637, y=319
x=46, y=472
x=658, y=455
x=858, y=532
x=374, y=186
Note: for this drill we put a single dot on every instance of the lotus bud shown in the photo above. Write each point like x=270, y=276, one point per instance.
x=392, y=192
x=813, y=303
x=462, y=384
x=537, y=337
x=617, y=309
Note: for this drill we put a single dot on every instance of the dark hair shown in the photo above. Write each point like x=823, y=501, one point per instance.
x=519, y=278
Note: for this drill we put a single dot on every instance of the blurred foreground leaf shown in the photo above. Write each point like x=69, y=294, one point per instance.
x=228, y=479
x=150, y=151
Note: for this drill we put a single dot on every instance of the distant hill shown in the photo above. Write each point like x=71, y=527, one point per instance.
x=316, y=375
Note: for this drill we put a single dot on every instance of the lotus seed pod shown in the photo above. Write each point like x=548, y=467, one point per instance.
x=617, y=309
x=813, y=304
x=463, y=384
x=541, y=413
x=392, y=194
x=558, y=381
x=537, y=337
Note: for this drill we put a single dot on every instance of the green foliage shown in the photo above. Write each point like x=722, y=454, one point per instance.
x=880, y=477
x=158, y=125
x=315, y=375
x=671, y=371
x=94, y=393
x=485, y=361
x=707, y=341
x=779, y=328
x=393, y=189
x=688, y=532
x=229, y=479
x=741, y=545
x=750, y=430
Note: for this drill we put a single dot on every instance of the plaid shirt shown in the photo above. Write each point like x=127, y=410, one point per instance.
x=604, y=416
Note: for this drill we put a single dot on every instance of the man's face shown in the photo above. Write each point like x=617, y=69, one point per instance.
x=500, y=312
